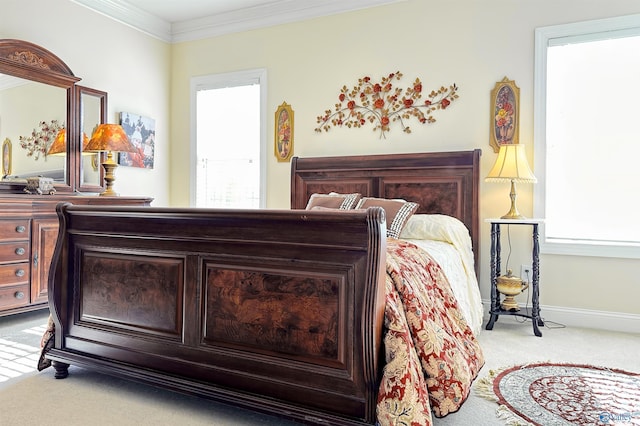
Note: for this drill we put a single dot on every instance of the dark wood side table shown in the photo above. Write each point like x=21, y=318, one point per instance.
x=496, y=310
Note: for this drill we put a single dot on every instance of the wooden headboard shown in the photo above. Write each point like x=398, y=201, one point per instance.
x=440, y=182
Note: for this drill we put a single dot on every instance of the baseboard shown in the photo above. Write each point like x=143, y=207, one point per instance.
x=586, y=318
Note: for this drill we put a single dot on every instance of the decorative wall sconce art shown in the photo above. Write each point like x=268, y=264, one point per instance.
x=6, y=157
x=382, y=104
x=283, y=145
x=505, y=114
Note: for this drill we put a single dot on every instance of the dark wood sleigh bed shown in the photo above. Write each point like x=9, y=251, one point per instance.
x=279, y=311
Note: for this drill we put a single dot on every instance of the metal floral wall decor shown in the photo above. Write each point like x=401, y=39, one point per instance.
x=381, y=103
x=37, y=144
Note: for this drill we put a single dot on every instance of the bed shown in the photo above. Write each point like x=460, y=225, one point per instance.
x=310, y=314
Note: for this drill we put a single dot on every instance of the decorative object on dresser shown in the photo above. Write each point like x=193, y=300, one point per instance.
x=380, y=103
x=39, y=185
x=109, y=138
x=283, y=144
x=511, y=166
x=274, y=310
x=505, y=114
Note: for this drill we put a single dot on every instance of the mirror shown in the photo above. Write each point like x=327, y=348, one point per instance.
x=92, y=111
x=44, y=91
x=21, y=118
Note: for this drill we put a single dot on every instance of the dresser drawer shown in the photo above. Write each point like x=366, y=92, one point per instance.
x=18, y=251
x=14, y=296
x=16, y=273
x=15, y=229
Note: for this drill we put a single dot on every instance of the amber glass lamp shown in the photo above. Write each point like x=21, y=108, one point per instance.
x=109, y=138
x=511, y=166
x=59, y=145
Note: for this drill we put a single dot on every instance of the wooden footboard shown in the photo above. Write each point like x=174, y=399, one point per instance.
x=274, y=310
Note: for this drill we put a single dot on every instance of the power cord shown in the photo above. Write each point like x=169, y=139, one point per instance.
x=526, y=307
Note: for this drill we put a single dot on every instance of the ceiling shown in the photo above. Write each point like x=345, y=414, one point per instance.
x=183, y=20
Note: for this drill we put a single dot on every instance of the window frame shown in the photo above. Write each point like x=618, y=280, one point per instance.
x=545, y=37
x=218, y=81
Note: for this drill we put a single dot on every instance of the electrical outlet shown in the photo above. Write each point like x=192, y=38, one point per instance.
x=526, y=273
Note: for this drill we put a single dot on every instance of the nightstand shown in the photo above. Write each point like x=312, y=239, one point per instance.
x=496, y=310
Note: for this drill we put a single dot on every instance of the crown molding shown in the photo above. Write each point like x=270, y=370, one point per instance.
x=270, y=14
x=125, y=13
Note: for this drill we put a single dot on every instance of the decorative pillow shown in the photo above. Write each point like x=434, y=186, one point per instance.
x=397, y=212
x=333, y=200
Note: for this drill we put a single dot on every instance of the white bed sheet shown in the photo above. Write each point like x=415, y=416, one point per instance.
x=447, y=240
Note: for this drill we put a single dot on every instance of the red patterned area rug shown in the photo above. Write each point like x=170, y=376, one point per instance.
x=547, y=394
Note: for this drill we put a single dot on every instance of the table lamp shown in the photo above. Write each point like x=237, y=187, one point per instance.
x=109, y=138
x=511, y=165
x=59, y=145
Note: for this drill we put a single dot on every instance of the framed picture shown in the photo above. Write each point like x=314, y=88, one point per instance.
x=6, y=157
x=505, y=114
x=283, y=146
x=142, y=134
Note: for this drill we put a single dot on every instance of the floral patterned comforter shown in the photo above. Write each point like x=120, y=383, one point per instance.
x=432, y=356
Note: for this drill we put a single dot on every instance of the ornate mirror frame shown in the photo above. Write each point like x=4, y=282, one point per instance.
x=29, y=61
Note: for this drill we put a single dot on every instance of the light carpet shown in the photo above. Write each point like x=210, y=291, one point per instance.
x=91, y=398
x=542, y=394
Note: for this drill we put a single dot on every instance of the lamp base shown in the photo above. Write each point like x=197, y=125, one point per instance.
x=513, y=212
x=513, y=216
x=109, y=166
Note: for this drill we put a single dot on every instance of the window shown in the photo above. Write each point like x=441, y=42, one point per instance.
x=229, y=140
x=587, y=137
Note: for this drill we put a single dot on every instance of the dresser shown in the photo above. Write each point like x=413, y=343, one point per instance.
x=28, y=234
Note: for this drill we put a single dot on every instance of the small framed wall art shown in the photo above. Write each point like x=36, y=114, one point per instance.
x=505, y=114
x=283, y=145
x=141, y=131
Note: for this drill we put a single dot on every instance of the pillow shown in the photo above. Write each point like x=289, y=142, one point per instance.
x=397, y=212
x=437, y=227
x=333, y=200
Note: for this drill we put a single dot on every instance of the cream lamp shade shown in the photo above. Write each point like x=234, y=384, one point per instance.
x=109, y=138
x=511, y=166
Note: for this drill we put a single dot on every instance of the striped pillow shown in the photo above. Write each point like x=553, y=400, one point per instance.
x=397, y=212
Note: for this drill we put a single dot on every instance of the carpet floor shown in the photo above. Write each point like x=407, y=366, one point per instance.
x=87, y=397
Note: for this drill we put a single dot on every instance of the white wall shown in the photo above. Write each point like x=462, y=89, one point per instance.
x=468, y=42
x=132, y=67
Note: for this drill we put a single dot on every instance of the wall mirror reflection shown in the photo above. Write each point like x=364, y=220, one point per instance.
x=31, y=115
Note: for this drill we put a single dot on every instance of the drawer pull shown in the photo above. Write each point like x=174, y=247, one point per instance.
x=20, y=228
x=20, y=251
x=19, y=295
x=20, y=273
